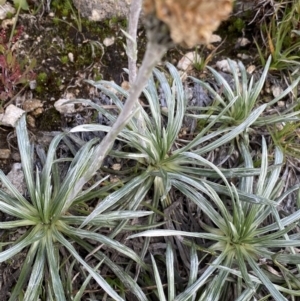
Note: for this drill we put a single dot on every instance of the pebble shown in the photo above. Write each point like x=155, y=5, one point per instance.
x=8, y=22
x=116, y=166
x=30, y=121
x=251, y=69
x=214, y=38
x=243, y=56
x=5, y=153
x=16, y=176
x=242, y=42
x=276, y=90
x=71, y=57
x=63, y=108
x=11, y=115
x=34, y=106
x=223, y=65
x=187, y=61
x=108, y=41
x=32, y=84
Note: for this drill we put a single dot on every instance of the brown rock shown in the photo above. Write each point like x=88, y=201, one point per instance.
x=4, y=153
x=34, y=106
x=30, y=121
x=37, y=112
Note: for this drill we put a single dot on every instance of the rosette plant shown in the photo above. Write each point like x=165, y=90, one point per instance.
x=247, y=92
x=247, y=257
x=49, y=217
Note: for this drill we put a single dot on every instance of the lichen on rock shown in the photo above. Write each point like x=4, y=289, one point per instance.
x=95, y=10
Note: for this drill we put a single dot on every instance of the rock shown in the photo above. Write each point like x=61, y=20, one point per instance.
x=11, y=115
x=71, y=57
x=32, y=84
x=63, y=108
x=96, y=10
x=214, y=38
x=8, y=22
x=187, y=61
x=5, y=9
x=4, y=153
x=37, y=112
x=33, y=106
x=30, y=121
x=243, y=56
x=224, y=66
x=251, y=69
x=276, y=90
x=242, y=42
x=16, y=177
x=108, y=41
x=116, y=166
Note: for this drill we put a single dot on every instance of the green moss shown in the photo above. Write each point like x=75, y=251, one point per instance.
x=57, y=5
x=55, y=21
x=113, y=21
x=39, y=90
x=88, y=23
x=42, y=78
x=58, y=82
x=97, y=75
x=9, y=15
x=62, y=8
x=124, y=23
x=64, y=59
x=65, y=12
x=237, y=25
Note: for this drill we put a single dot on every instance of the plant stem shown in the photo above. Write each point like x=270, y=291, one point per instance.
x=153, y=55
x=14, y=27
x=135, y=9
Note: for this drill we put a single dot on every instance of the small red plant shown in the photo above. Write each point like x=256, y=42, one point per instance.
x=13, y=70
